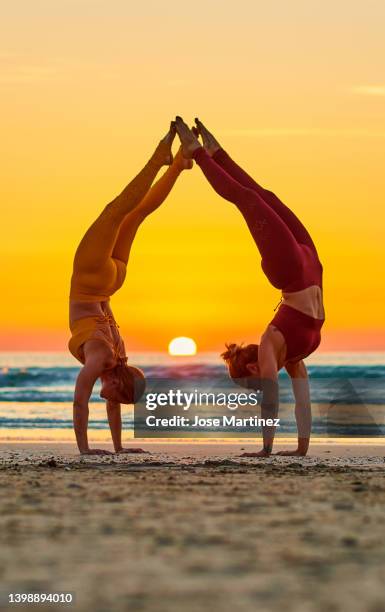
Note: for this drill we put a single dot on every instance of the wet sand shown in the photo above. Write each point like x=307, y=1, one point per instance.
x=195, y=527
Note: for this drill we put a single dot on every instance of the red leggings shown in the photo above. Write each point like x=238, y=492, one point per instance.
x=283, y=242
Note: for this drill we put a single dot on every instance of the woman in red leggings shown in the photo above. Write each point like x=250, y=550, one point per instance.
x=291, y=264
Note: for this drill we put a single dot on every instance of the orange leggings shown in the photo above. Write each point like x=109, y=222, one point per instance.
x=101, y=258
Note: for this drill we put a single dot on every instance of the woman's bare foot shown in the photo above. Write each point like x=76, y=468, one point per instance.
x=163, y=153
x=181, y=162
x=189, y=141
x=209, y=141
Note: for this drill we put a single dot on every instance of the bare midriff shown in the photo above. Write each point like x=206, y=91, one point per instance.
x=82, y=310
x=309, y=301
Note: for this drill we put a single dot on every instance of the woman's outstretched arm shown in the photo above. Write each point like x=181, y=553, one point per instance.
x=267, y=358
x=301, y=390
x=96, y=361
x=114, y=413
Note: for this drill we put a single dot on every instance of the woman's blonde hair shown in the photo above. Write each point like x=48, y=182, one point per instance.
x=132, y=383
x=237, y=357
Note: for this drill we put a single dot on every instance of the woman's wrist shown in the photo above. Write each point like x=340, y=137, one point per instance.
x=303, y=445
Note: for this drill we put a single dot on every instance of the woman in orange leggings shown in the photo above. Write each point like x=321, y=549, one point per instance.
x=99, y=271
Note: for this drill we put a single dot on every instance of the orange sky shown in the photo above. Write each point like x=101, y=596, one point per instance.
x=294, y=90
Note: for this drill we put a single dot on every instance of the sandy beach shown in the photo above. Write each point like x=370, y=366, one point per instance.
x=194, y=527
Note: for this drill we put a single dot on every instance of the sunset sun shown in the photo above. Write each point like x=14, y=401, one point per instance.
x=182, y=346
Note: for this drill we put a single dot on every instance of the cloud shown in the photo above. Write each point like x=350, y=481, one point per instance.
x=369, y=90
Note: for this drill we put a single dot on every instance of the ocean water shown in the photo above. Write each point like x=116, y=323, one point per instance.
x=36, y=389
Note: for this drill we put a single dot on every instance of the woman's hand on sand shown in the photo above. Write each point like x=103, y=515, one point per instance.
x=291, y=453
x=261, y=453
x=163, y=154
x=187, y=138
x=96, y=451
x=133, y=451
